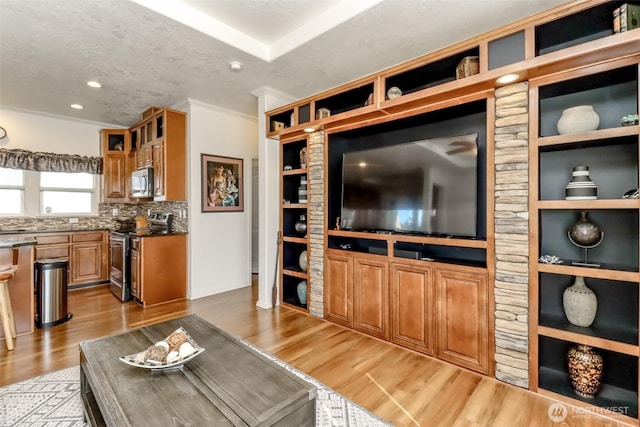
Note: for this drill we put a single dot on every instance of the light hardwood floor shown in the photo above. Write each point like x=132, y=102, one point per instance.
x=401, y=386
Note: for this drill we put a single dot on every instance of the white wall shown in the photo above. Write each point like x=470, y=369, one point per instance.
x=219, y=242
x=38, y=132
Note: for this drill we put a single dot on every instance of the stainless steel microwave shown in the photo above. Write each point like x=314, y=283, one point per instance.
x=142, y=183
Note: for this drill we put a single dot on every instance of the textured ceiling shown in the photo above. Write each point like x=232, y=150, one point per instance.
x=50, y=48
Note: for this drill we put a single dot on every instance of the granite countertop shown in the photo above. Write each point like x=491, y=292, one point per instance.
x=20, y=231
x=10, y=242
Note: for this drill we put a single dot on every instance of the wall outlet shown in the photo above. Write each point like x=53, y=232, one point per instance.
x=73, y=220
x=115, y=211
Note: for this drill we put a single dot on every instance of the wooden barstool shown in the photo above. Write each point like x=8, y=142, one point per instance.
x=6, y=310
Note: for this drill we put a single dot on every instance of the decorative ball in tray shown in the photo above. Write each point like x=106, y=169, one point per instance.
x=170, y=353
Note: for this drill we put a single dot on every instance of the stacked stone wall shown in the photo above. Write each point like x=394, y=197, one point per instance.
x=315, y=223
x=511, y=288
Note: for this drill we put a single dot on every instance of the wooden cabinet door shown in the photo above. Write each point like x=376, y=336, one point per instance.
x=115, y=174
x=86, y=263
x=338, y=289
x=463, y=317
x=158, y=168
x=412, y=307
x=144, y=156
x=371, y=296
x=130, y=167
x=135, y=274
x=114, y=147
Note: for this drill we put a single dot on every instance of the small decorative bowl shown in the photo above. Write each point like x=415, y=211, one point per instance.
x=629, y=120
x=550, y=259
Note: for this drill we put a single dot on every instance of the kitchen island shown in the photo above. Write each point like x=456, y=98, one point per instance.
x=21, y=284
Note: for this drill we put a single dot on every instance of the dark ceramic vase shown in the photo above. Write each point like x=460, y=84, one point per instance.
x=585, y=370
x=301, y=225
x=585, y=232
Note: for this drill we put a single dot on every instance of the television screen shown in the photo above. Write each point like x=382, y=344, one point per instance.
x=423, y=187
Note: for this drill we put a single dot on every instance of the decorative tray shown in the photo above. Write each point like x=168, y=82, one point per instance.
x=170, y=353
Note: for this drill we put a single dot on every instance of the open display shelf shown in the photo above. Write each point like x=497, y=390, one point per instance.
x=612, y=154
x=294, y=210
x=619, y=383
x=430, y=74
x=577, y=28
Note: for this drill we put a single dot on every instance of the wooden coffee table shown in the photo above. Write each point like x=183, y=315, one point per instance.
x=228, y=384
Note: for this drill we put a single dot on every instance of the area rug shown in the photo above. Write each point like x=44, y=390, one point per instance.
x=53, y=400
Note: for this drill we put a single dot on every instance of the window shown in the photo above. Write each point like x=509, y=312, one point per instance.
x=29, y=193
x=11, y=191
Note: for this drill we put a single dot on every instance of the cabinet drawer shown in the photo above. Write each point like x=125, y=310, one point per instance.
x=43, y=252
x=49, y=239
x=86, y=237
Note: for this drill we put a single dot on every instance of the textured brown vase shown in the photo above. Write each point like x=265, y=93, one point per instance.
x=585, y=370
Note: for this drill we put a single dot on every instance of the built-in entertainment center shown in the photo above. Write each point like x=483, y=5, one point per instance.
x=407, y=161
x=372, y=241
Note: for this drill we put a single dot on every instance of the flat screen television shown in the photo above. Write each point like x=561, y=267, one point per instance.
x=421, y=187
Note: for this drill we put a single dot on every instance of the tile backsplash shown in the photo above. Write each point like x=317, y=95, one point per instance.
x=104, y=220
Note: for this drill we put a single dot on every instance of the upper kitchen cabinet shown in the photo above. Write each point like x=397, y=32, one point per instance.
x=157, y=141
x=114, y=148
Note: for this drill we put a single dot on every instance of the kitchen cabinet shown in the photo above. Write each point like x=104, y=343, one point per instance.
x=462, y=318
x=158, y=141
x=158, y=169
x=21, y=287
x=89, y=258
x=86, y=251
x=144, y=156
x=135, y=268
x=114, y=145
x=162, y=147
x=158, y=268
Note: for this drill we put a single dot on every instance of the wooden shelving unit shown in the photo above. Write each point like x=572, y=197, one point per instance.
x=612, y=154
x=294, y=265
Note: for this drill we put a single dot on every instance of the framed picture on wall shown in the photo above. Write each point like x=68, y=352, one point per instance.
x=222, y=186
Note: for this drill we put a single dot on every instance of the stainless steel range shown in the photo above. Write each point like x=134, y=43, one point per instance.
x=120, y=250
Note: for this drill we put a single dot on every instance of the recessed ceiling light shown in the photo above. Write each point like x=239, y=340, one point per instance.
x=309, y=130
x=93, y=83
x=508, y=78
x=235, y=65
x=77, y=106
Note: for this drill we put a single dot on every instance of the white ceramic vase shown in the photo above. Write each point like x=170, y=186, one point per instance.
x=580, y=303
x=581, y=118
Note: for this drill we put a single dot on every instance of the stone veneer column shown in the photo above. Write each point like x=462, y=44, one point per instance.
x=315, y=223
x=512, y=234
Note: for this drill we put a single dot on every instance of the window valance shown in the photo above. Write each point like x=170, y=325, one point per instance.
x=49, y=162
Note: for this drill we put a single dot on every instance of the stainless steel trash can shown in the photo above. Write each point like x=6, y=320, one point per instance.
x=51, y=292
